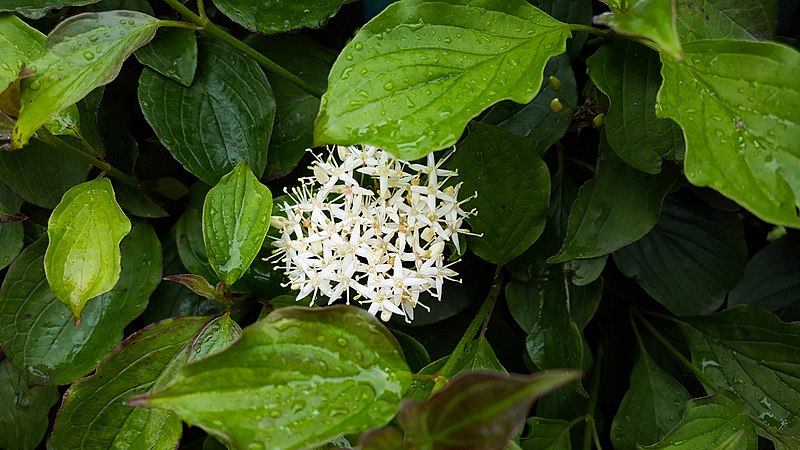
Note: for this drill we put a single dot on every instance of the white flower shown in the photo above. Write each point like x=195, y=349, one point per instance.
x=384, y=238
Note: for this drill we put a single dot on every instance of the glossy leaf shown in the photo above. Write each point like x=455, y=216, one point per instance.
x=740, y=118
x=629, y=74
x=546, y=434
x=772, y=278
x=276, y=16
x=726, y=19
x=172, y=53
x=94, y=413
x=476, y=410
x=38, y=332
x=616, y=208
x=513, y=191
x=79, y=58
x=231, y=107
x=23, y=409
x=83, y=256
x=716, y=422
x=751, y=352
x=11, y=232
x=217, y=335
x=194, y=283
x=690, y=260
x=650, y=409
x=235, y=222
x=36, y=9
x=651, y=19
x=19, y=44
x=414, y=76
x=338, y=361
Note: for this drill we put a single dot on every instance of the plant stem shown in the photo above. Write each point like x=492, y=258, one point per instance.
x=222, y=35
x=477, y=323
x=177, y=24
x=594, y=390
x=588, y=29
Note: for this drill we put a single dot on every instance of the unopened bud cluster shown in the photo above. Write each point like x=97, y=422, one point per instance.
x=372, y=224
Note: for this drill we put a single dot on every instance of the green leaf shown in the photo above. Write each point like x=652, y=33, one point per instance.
x=83, y=256
x=629, y=74
x=726, y=19
x=231, y=107
x=772, y=278
x=616, y=208
x=546, y=434
x=94, y=413
x=195, y=283
x=337, y=361
x=690, y=260
x=651, y=407
x=11, y=232
x=83, y=52
x=751, y=352
x=172, y=53
x=276, y=16
x=19, y=44
x=572, y=12
x=38, y=332
x=651, y=19
x=235, y=222
x=213, y=338
x=41, y=174
x=412, y=78
x=737, y=105
x=716, y=422
x=36, y=9
x=513, y=187
x=23, y=409
x=536, y=121
x=136, y=203
x=292, y=133
x=476, y=410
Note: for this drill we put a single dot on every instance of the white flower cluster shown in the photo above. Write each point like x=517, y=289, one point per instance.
x=384, y=237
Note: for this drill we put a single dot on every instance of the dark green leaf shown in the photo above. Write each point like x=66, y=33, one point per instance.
x=276, y=16
x=513, y=187
x=83, y=256
x=772, y=277
x=94, y=413
x=235, y=222
x=616, y=208
x=572, y=12
x=536, y=121
x=651, y=407
x=726, y=19
x=716, y=422
x=476, y=410
x=737, y=106
x=37, y=331
x=83, y=52
x=629, y=74
x=136, y=203
x=224, y=118
x=23, y=409
x=752, y=353
x=415, y=353
x=36, y=9
x=338, y=361
x=172, y=53
x=546, y=434
x=386, y=438
x=651, y=19
x=690, y=260
x=11, y=232
x=414, y=76
x=586, y=271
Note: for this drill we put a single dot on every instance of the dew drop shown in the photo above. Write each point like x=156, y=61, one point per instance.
x=35, y=85
x=342, y=342
x=93, y=38
x=388, y=86
x=275, y=414
x=358, y=46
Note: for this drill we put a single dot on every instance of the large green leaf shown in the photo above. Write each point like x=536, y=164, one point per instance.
x=36, y=9
x=94, y=413
x=716, y=422
x=476, y=410
x=513, y=187
x=772, y=278
x=415, y=75
x=172, y=53
x=651, y=407
x=310, y=375
x=616, y=208
x=23, y=409
x=546, y=434
x=83, y=52
x=225, y=117
x=11, y=232
x=726, y=19
x=629, y=74
x=83, y=256
x=19, y=44
x=740, y=113
x=276, y=16
x=690, y=260
x=235, y=222
x=651, y=19
x=751, y=352
x=37, y=331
